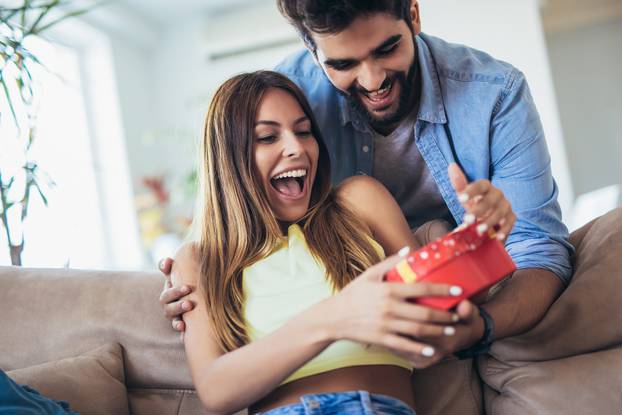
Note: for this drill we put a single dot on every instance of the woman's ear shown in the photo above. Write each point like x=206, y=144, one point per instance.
x=415, y=16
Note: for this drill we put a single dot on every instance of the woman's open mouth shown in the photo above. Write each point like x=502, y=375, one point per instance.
x=290, y=184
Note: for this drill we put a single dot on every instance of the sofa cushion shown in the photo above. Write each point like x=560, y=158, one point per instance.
x=562, y=348
x=73, y=311
x=92, y=383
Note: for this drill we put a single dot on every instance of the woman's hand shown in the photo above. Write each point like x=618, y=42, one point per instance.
x=371, y=311
x=484, y=202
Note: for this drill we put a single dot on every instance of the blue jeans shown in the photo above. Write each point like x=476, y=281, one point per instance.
x=22, y=400
x=347, y=403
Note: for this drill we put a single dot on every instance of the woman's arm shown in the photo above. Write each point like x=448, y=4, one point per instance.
x=228, y=382
x=372, y=202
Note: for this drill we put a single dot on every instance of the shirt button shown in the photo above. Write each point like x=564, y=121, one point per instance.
x=313, y=404
x=366, y=149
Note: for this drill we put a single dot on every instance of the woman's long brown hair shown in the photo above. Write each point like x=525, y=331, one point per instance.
x=235, y=224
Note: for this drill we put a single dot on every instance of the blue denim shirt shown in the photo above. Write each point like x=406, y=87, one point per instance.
x=474, y=110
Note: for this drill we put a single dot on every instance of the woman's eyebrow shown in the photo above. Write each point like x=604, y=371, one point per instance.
x=276, y=124
x=301, y=119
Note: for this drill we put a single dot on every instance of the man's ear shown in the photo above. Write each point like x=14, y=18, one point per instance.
x=313, y=51
x=415, y=16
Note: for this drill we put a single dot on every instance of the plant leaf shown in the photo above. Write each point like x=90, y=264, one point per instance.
x=60, y=19
x=44, y=12
x=10, y=102
x=36, y=185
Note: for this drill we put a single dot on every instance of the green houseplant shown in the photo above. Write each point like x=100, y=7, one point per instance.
x=18, y=23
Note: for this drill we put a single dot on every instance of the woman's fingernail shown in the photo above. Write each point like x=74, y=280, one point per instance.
x=178, y=325
x=455, y=290
x=449, y=331
x=428, y=351
x=502, y=222
x=185, y=305
x=463, y=197
x=481, y=228
x=501, y=236
x=161, y=264
x=185, y=289
x=455, y=318
x=404, y=251
x=469, y=218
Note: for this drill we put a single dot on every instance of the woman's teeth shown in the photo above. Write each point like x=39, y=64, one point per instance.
x=292, y=173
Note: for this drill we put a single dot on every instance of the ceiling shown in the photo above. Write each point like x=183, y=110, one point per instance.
x=562, y=15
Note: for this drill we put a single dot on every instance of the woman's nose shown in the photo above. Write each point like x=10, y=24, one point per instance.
x=292, y=147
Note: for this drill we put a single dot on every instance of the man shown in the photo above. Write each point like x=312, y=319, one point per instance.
x=400, y=106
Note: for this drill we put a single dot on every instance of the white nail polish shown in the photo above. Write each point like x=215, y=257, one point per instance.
x=455, y=318
x=501, y=236
x=449, y=331
x=463, y=197
x=469, y=218
x=455, y=291
x=428, y=351
x=404, y=251
x=481, y=228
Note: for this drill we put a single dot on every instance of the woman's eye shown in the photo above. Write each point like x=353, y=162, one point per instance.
x=304, y=133
x=266, y=139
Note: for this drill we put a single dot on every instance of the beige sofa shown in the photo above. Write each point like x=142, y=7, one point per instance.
x=99, y=340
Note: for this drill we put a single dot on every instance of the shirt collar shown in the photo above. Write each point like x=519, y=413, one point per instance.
x=431, y=107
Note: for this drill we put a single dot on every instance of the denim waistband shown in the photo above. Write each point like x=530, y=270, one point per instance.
x=346, y=403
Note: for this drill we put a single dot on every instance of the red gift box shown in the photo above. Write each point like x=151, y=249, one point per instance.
x=462, y=257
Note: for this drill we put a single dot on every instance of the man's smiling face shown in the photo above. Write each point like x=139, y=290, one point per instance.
x=373, y=62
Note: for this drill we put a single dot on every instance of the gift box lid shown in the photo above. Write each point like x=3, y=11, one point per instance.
x=460, y=241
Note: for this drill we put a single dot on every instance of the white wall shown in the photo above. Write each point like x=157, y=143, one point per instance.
x=587, y=69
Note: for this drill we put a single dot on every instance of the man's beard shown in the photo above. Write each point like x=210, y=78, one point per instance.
x=405, y=100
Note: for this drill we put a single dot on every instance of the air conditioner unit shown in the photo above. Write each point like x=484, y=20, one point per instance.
x=240, y=47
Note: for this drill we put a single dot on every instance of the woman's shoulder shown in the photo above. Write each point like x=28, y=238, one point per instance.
x=363, y=195
x=186, y=264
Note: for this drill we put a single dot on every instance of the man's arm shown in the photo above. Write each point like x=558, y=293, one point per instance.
x=521, y=168
x=523, y=301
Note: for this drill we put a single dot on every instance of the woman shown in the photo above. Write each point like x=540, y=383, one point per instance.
x=290, y=313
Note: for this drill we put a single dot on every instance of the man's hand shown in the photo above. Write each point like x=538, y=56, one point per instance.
x=468, y=331
x=172, y=300
x=484, y=202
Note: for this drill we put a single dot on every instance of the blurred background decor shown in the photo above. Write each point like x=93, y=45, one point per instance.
x=139, y=76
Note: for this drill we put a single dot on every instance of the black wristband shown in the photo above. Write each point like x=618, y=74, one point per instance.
x=483, y=345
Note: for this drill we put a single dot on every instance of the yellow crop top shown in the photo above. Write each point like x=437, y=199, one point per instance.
x=286, y=283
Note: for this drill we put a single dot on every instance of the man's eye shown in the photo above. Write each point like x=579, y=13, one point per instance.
x=342, y=66
x=388, y=51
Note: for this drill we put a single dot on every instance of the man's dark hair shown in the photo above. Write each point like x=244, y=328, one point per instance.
x=333, y=16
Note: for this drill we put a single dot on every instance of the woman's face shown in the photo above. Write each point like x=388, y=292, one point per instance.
x=285, y=154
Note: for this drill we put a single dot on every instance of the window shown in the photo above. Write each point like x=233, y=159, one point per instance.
x=90, y=221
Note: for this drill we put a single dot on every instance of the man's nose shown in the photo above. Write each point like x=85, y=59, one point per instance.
x=371, y=76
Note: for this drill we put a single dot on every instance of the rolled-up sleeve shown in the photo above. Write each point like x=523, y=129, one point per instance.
x=521, y=168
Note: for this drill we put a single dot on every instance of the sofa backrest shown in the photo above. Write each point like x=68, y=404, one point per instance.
x=50, y=314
